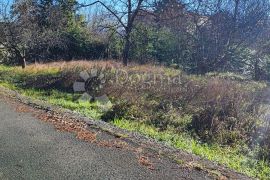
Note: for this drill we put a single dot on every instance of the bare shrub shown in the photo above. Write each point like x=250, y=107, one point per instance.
x=228, y=111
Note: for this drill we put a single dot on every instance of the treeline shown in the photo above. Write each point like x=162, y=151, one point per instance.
x=47, y=30
x=197, y=36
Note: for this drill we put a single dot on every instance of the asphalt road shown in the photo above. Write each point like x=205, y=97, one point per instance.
x=33, y=149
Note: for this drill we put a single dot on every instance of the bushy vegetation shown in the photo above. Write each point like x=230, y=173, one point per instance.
x=221, y=36
x=217, y=116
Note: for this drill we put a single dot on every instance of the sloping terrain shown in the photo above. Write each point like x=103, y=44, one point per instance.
x=32, y=149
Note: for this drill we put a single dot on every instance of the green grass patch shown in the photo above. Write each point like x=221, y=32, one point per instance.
x=64, y=100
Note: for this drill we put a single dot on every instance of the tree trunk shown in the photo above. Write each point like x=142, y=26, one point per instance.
x=23, y=62
x=20, y=57
x=256, y=70
x=126, y=51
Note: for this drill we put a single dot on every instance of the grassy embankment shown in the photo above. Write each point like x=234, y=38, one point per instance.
x=212, y=116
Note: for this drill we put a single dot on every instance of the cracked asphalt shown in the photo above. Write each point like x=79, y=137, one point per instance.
x=33, y=149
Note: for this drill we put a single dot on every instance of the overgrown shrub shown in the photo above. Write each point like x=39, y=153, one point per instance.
x=229, y=111
x=221, y=110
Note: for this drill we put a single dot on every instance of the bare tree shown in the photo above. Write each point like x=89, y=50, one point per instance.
x=10, y=32
x=22, y=33
x=125, y=13
x=227, y=26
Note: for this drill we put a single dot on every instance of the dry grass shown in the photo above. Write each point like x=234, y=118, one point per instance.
x=163, y=97
x=86, y=65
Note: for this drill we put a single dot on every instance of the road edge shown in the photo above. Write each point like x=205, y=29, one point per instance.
x=213, y=168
